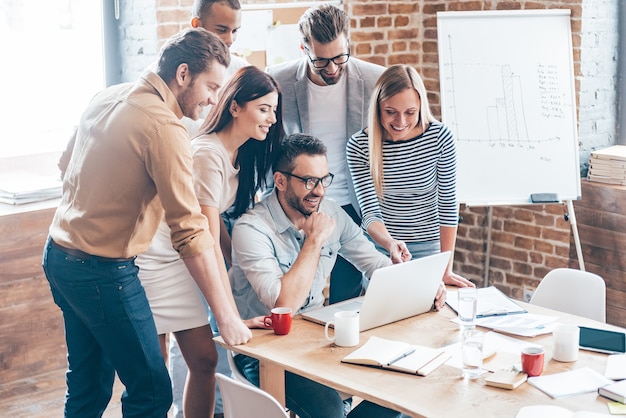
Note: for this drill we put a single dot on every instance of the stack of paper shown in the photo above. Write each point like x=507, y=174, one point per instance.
x=491, y=302
x=570, y=383
x=608, y=165
x=24, y=187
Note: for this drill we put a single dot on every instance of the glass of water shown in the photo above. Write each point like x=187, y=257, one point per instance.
x=472, y=348
x=467, y=306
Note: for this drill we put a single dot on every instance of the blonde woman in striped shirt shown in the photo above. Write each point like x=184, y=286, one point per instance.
x=404, y=171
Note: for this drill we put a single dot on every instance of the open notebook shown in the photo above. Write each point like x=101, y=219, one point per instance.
x=398, y=356
x=395, y=292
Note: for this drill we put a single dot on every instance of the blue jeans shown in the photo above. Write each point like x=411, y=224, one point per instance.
x=108, y=328
x=309, y=399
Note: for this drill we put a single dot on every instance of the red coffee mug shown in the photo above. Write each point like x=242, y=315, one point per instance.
x=279, y=320
x=532, y=361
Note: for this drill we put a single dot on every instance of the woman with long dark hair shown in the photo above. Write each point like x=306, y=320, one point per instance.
x=231, y=158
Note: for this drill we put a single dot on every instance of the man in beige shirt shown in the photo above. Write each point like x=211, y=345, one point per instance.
x=131, y=165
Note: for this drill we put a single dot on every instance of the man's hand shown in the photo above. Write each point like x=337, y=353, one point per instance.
x=398, y=252
x=440, y=297
x=256, y=322
x=319, y=226
x=453, y=279
x=234, y=332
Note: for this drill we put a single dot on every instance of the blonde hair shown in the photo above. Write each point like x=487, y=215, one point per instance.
x=392, y=81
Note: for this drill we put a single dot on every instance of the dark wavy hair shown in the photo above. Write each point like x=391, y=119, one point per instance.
x=254, y=158
x=196, y=47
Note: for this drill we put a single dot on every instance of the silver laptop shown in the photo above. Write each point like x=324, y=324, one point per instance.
x=395, y=292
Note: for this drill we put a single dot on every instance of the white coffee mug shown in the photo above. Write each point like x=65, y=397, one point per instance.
x=346, y=325
x=565, y=339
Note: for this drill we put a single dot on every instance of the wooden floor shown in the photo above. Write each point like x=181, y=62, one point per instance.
x=42, y=397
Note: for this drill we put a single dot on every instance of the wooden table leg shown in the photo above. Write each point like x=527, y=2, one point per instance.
x=272, y=380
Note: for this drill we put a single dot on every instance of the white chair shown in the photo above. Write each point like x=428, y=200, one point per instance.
x=572, y=291
x=236, y=372
x=242, y=400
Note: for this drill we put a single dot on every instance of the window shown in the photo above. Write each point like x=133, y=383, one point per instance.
x=52, y=66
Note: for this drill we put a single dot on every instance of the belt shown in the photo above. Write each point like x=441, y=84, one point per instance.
x=86, y=256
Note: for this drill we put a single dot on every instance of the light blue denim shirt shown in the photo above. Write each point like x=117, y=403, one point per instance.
x=266, y=244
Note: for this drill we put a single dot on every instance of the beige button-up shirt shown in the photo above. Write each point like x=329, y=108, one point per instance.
x=131, y=162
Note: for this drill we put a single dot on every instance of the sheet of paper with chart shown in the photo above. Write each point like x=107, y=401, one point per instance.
x=508, y=97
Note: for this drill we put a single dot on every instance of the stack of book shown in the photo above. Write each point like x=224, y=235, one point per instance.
x=23, y=187
x=608, y=165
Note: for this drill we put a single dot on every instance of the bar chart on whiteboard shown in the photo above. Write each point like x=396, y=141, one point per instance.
x=507, y=94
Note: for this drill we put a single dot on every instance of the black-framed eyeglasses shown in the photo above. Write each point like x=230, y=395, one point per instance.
x=323, y=62
x=310, y=183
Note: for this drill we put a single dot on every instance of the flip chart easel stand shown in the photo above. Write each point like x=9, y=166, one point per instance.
x=571, y=217
x=572, y=220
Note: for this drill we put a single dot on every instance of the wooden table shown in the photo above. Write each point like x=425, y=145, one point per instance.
x=306, y=352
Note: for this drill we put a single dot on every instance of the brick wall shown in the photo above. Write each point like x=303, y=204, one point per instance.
x=523, y=242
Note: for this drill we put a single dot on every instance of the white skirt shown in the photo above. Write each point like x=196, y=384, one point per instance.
x=175, y=300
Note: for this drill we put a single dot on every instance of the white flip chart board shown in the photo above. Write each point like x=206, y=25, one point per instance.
x=508, y=95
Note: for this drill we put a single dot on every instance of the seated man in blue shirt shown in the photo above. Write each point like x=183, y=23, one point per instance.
x=283, y=251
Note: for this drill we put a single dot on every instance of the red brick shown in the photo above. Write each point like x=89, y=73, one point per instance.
x=429, y=22
x=369, y=9
x=400, y=21
x=515, y=279
x=361, y=36
x=509, y=253
x=556, y=262
x=522, y=268
x=429, y=73
x=554, y=235
x=398, y=46
x=523, y=215
x=402, y=34
x=403, y=59
x=503, y=212
x=376, y=60
x=545, y=220
x=381, y=49
x=367, y=22
x=500, y=263
x=432, y=9
x=430, y=34
x=430, y=58
x=502, y=237
x=535, y=257
x=561, y=251
x=496, y=277
x=429, y=46
x=404, y=8
x=414, y=46
x=508, y=5
x=363, y=49
x=524, y=243
x=463, y=6
x=544, y=247
x=535, y=5
x=384, y=22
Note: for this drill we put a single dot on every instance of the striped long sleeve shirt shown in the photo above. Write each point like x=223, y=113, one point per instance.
x=419, y=186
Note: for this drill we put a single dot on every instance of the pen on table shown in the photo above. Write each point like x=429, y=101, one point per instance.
x=401, y=356
x=492, y=312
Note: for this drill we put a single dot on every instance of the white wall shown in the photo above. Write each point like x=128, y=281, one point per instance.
x=598, y=113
